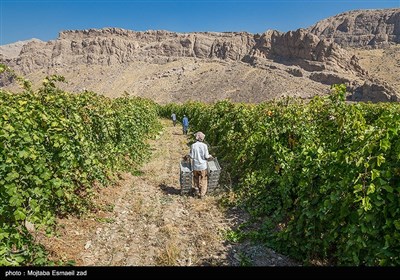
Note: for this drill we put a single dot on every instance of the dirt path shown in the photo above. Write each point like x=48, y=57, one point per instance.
x=144, y=221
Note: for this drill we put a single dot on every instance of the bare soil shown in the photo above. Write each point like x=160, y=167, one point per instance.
x=145, y=221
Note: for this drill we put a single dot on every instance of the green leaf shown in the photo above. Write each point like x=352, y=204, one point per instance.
x=358, y=188
x=28, y=168
x=56, y=182
x=9, y=128
x=380, y=159
x=59, y=193
x=359, y=161
x=379, y=202
x=37, y=180
x=366, y=204
x=384, y=144
x=371, y=188
x=375, y=174
x=388, y=188
x=397, y=224
x=12, y=176
x=15, y=201
x=45, y=175
x=19, y=215
x=3, y=235
x=382, y=182
x=23, y=154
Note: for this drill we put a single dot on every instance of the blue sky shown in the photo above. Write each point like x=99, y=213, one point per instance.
x=22, y=20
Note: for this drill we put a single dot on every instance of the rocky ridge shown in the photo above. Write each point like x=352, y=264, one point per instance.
x=361, y=28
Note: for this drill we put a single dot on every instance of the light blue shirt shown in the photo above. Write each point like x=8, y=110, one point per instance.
x=199, y=154
x=185, y=121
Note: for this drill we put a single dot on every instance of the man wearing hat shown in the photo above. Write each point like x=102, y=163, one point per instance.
x=199, y=154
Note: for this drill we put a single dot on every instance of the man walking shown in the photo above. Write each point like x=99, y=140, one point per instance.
x=173, y=116
x=185, y=124
x=199, y=154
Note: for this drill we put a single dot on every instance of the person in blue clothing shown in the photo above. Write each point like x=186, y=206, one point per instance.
x=185, y=124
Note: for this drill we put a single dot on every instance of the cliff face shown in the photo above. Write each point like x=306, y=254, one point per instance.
x=361, y=28
x=176, y=67
x=307, y=51
x=117, y=46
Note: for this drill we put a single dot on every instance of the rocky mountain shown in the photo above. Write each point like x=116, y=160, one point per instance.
x=205, y=66
x=13, y=50
x=361, y=28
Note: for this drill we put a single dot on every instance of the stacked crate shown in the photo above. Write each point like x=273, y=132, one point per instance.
x=185, y=177
x=213, y=170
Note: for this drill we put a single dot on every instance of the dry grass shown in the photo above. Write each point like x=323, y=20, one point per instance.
x=169, y=230
x=137, y=205
x=169, y=255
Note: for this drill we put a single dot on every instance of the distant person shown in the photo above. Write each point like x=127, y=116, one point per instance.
x=173, y=116
x=185, y=124
x=199, y=154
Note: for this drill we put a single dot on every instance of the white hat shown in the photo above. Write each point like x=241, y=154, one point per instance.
x=200, y=136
